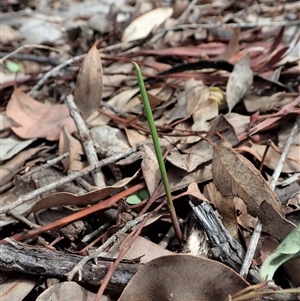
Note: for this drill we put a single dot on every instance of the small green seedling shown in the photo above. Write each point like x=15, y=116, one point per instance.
x=133, y=199
x=158, y=151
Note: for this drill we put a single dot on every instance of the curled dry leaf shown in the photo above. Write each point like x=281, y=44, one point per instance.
x=67, y=143
x=239, y=82
x=89, y=84
x=143, y=25
x=38, y=120
x=180, y=277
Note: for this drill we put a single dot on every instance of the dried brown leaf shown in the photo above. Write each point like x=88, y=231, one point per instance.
x=16, y=287
x=239, y=82
x=234, y=175
x=89, y=84
x=181, y=278
x=67, y=143
x=225, y=207
x=68, y=290
x=6, y=123
x=38, y=120
x=232, y=46
x=143, y=25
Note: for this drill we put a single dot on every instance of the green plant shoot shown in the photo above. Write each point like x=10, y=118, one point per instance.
x=158, y=151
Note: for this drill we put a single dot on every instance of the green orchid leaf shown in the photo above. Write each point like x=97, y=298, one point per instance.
x=288, y=249
x=133, y=199
x=144, y=194
x=13, y=67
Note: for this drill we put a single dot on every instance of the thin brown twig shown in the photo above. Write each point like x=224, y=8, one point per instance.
x=86, y=141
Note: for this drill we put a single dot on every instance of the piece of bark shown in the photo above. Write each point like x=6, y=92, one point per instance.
x=43, y=262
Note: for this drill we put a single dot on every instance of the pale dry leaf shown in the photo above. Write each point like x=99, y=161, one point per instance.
x=12, y=78
x=206, y=110
x=290, y=165
x=193, y=190
x=180, y=179
x=134, y=137
x=6, y=122
x=38, y=120
x=12, y=145
x=143, y=25
x=232, y=45
x=140, y=248
x=16, y=288
x=8, y=34
x=240, y=80
x=67, y=143
x=89, y=84
x=238, y=122
x=110, y=140
x=150, y=169
x=263, y=104
x=202, y=152
x=39, y=31
x=246, y=220
x=68, y=290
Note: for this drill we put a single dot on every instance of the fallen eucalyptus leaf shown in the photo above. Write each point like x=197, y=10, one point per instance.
x=234, y=175
x=239, y=82
x=89, y=84
x=183, y=278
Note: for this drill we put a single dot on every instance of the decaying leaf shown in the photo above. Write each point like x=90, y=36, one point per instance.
x=89, y=84
x=239, y=82
x=180, y=278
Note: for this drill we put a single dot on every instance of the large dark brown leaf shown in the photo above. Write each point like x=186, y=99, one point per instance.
x=234, y=175
x=183, y=278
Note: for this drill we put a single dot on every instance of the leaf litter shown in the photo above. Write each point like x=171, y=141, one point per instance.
x=231, y=78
